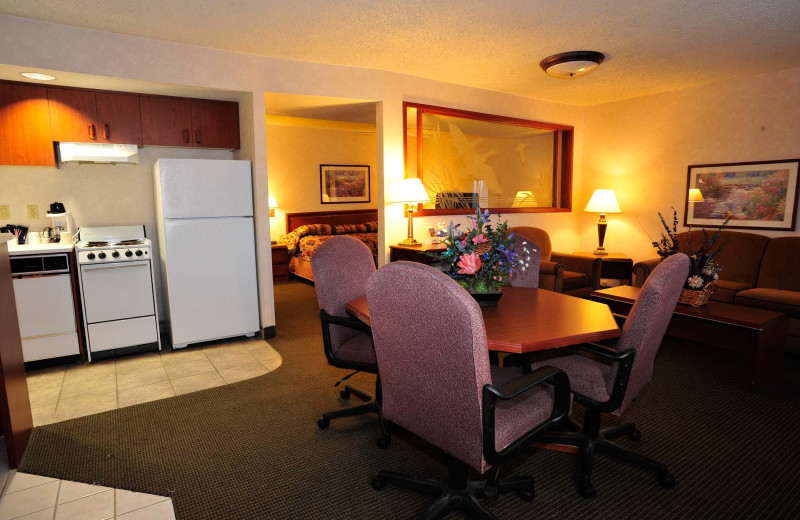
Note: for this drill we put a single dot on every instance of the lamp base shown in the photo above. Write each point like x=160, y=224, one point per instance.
x=600, y=251
x=410, y=241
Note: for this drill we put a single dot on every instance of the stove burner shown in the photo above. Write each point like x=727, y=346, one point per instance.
x=96, y=244
x=130, y=242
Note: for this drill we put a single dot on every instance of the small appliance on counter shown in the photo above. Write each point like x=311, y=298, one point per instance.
x=56, y=212
x=115, y=276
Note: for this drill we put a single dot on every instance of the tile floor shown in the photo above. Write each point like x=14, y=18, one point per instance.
x=61, y=393
x=33, y=497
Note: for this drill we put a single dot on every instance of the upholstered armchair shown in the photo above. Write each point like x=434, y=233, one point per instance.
x=606, y=380
x=562, y=272
x=432, y=353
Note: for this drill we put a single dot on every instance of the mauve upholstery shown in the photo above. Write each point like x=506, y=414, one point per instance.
x=643, y=331
x=341, y=267
x=529, y=275
x=430, y=343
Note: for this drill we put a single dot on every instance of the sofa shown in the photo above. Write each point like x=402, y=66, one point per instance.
x=757, y=271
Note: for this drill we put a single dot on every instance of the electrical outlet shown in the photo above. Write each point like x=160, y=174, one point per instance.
x=5, y=212
x=33, y=211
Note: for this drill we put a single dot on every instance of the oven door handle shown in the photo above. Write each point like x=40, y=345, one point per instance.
x=87, y=269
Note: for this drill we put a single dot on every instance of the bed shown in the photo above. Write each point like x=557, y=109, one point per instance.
x=311, y=229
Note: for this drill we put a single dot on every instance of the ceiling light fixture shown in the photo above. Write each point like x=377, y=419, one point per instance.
x=39, y=76
x=572, y=64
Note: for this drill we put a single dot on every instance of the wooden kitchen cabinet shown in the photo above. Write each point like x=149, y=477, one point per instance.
x=190, y=122
x=215, y=124
x=86, y=116
x=25, y=126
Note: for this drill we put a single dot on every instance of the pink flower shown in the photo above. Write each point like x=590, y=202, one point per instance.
x=469, y=264
x=479, y=239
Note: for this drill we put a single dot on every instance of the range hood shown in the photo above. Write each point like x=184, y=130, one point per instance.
x=82, y=153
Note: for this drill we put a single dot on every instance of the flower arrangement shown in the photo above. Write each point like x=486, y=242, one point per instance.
x=702, y=267
x=482, y=259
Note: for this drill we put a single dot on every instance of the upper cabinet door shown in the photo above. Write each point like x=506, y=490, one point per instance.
x=118, y=119
x=73, y=115
x=166, y=121
x=215, y=124
x=25, y=126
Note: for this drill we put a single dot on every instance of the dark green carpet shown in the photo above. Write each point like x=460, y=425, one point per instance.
x=252, y=450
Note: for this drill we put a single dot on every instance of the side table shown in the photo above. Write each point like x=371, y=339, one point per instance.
x=614, y=266
x=280, y=263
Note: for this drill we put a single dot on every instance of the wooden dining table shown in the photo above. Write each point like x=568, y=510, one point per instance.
x=529, y=320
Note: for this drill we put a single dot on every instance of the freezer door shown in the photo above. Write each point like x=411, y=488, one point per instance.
x=198, y=188
x=210, y=278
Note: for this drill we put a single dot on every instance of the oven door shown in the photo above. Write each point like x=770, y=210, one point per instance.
x=117, y=291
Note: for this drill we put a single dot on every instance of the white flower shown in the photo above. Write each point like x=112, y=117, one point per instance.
x=695, y=282
x=716, y=277
x=708, y=271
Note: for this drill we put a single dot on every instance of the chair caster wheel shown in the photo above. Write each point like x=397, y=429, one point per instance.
x=635, y=435
x=323, y=423
x=378, y=483
x=344, y=394
x=525, y=494
x=384, y=441
x=667, y=480
x=587, y=490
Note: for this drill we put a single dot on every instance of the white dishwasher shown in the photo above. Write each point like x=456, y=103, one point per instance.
x=45, y=306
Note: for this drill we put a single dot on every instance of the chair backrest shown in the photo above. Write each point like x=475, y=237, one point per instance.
x=526, y=275
x=648, y=320
x=433, y=358
x=341, y=267
x=539, y=237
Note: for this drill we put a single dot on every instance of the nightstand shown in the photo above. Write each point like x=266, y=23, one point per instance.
x=614, y=266
x=280, y=263
x=414, y=253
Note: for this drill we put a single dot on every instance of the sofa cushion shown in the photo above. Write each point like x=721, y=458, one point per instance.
x=778, y=267
x=726, y=290
x=771, y=299
x=574, y=280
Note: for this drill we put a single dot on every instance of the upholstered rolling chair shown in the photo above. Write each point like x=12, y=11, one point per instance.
x=341, y=267
x=432, y=354
x=607, y=380
x=562, y=272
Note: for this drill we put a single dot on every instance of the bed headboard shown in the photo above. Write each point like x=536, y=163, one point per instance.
x=356, y=216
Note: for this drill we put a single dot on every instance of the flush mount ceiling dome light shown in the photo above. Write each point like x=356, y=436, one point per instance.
x=572, y=64
x=37, y=76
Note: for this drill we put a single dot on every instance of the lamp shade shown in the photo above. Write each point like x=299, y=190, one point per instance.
x=272, y=202
x=603, y=201
x=695, y=195
x=524, y=199
x=409, y=191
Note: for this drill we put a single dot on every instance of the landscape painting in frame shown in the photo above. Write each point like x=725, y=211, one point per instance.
x=756, y=195
x=342, y=183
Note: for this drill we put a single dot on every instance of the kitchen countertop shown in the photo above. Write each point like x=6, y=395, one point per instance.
x=30, y=249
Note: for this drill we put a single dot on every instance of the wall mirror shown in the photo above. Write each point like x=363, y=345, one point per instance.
x=468, y=160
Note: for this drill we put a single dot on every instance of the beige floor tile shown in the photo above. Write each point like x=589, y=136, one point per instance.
x=43, y=415
x=174, y=357
x=230, y=358
x=94, y=507
x=160, y=511
x=42, y=397
x=272, y=364
x=86, y=372
x=185, y=385
x=143, y=394
x=83, y=389
x=21, y=481
x=149, y=376
x=74, y=490
x=264, y=352
x=199, y=366
x=28, y=501
x=48, y=378
x=128, y=501
x=240, y=373
x=85, y=406
x=44, y=514
x=139, y=363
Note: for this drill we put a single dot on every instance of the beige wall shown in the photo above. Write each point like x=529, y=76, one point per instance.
x=642, y=148
x=295, y=155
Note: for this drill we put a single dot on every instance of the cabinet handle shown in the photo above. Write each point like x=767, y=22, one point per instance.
x=197, y=136
x=106, y=131
x=186, y=135
x=92, y=134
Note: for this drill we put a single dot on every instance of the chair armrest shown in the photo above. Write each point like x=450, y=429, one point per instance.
x=625, y=361
x=555, y=377
x=591, y=267
x=551, y=276
x=641, y=270
x=344, y=321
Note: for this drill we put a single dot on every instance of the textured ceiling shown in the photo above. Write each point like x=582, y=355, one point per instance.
x=651, y=46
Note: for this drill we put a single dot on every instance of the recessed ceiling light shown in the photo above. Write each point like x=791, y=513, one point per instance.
x=572, y=64
x=37, y=76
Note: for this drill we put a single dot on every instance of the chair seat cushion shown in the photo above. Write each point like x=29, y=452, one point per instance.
x=726, y=290
x=587, y=374
x=771, y=299
x=574, y=280
x=516, y=417
x=358, y=349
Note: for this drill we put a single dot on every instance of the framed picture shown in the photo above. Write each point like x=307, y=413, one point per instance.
x=757, y=195
x=343, y=183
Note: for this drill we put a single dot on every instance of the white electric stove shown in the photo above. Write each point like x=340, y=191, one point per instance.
x=115, y=274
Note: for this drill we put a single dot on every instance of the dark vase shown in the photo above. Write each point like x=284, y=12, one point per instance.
x=487, y=299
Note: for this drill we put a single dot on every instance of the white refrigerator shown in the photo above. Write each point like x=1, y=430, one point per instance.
x=207, y=248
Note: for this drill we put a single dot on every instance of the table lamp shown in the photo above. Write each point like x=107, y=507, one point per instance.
x=272, y=205
x=602, y=202
x=410, y=192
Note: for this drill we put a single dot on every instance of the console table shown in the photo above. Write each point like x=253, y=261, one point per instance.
x=758, y=333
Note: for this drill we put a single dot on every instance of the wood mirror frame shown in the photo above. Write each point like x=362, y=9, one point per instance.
x=478, y=147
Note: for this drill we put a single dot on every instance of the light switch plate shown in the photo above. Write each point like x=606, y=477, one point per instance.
x=33, y=211
x=5, y=212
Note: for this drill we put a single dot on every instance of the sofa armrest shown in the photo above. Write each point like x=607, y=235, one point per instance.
x=591, y=267
x=641, y=270
x=551, y=276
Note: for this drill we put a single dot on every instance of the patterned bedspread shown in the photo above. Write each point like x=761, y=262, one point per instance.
x=303, y=241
